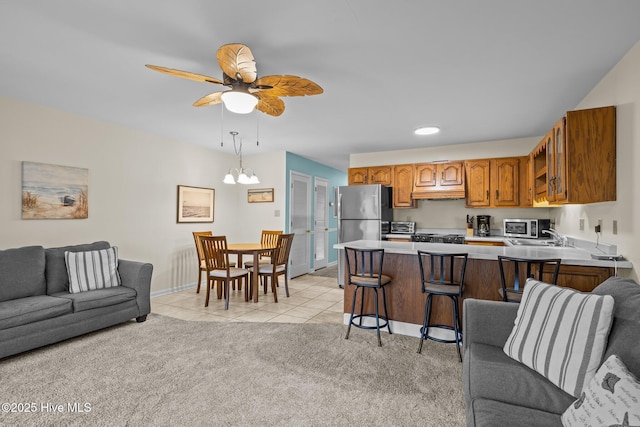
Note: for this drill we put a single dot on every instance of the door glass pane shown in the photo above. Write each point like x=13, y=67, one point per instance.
x=298, y=220
x=550, y=174
x=559, y=158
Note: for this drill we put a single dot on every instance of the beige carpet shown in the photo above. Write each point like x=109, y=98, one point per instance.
x=169, y=372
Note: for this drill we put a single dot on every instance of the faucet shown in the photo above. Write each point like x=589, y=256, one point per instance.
x=558, y=239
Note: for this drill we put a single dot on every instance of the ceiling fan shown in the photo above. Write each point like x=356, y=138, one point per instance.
x=248, y=91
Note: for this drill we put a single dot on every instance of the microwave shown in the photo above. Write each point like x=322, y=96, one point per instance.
x=526, y=228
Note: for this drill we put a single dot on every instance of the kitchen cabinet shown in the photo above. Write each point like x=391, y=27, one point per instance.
x=370, y=175
x=439, y=181
x=402, y=186
x=493, y=183
x=575, y=162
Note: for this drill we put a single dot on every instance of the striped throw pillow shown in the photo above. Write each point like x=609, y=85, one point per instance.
x=561, y=334
x=92, y=269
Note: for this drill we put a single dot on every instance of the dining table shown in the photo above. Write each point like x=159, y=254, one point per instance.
x=255, y=249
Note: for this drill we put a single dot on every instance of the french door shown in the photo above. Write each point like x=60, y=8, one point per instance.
x=300, y=223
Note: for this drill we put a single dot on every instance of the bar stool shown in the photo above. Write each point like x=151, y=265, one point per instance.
x=440, y=280
x=364, y=267
x=529, y=266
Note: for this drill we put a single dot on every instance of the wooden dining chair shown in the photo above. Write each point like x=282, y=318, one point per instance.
x=219, y=269
x=268, y=237
x=278, y=265
x=201, y=263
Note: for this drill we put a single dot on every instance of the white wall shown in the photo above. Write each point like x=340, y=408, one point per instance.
x=252, y=218
x=133, y=179
x=475, y=150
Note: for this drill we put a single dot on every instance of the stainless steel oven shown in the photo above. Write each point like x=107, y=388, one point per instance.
x=525, y=228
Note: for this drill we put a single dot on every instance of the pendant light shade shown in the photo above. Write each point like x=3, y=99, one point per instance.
x=228, y=178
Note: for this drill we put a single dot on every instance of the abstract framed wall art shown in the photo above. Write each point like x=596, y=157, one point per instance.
x=195, y=204
x=54, y=192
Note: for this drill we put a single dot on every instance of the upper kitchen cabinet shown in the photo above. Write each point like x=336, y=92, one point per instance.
x=439, y=181
x=576, y=160
x=402, y=186
x=370, y=175
x=493, y=183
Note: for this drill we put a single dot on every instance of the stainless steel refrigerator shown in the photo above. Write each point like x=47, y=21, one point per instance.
x=363, y=211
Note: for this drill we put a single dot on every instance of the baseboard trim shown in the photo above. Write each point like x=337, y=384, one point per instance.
x=173, y=290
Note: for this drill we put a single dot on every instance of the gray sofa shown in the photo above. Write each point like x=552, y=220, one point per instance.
x=500, y=391
x=36, y=308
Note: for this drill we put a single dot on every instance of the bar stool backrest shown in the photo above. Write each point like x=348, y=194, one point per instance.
x=521, y=269
x=442, y=269
x=364, y=263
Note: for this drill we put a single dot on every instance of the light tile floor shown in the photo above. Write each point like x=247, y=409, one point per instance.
x=313, y=299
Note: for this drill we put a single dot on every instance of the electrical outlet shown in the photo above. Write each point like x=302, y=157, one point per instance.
x=581, y=224
x=615, y=226
x=599, y=226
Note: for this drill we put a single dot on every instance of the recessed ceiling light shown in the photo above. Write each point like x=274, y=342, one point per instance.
x=427, y=130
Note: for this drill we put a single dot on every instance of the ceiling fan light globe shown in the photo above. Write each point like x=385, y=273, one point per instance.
x=239, y=102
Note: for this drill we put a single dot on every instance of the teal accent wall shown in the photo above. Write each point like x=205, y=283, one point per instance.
x=335, y=177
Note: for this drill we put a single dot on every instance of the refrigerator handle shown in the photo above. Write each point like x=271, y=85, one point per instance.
x=339, y=213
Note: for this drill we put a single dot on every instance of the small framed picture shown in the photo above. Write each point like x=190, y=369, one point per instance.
x=260, y=195
x=195, y=204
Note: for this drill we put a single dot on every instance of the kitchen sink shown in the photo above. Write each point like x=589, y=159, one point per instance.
x=538, y=243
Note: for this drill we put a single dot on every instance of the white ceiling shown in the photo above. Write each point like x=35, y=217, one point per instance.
x=481, y=70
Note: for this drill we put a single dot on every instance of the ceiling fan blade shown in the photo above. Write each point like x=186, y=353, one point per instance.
x=270, y=105
x=211, y=99
x=288, y=86
x=236, y=61
x=186, y=74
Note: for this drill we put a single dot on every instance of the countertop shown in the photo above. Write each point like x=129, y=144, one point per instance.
x=569, y=256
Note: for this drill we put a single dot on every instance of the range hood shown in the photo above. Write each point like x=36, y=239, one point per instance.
x=439, y=195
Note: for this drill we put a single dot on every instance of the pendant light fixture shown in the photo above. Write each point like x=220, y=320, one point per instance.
x=242, y=175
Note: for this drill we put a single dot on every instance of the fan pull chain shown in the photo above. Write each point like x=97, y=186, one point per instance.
x=221, y=125
x=257, y=130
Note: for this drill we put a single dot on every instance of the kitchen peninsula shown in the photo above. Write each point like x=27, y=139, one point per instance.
x=405, y=300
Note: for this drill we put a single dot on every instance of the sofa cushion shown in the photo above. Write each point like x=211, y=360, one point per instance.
x=99, y=298
x=625, y=331
x=22, y=311
x=22, y=272
x=561, y=333
x=91, y=270
x=56, y=270
x=491, y=374
x=491, y=413
x=611, y=398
